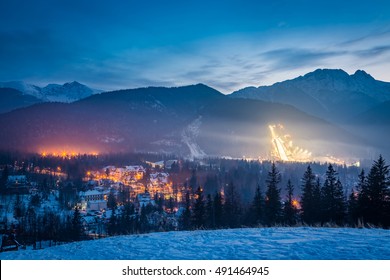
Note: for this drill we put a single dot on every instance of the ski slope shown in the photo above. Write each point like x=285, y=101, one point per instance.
x=244, y=244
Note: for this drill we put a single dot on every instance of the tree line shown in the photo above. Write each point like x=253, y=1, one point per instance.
x=320, y=204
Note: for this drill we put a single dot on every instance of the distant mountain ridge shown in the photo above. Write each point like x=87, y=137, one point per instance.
x=331, y=94
x=326, y=111
x=68, y=92
x=11, y=99
x=191, y=121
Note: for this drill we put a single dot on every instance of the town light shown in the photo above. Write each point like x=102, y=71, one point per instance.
x=295, y=203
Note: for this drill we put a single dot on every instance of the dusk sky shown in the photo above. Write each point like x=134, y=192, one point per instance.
x=224, y=44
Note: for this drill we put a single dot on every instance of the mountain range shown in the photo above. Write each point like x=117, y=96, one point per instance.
x=357, y=102
x=330, y=94
x=30, y=94
x=326, y=111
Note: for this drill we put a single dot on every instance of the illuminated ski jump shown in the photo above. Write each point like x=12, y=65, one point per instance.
x=282, y=146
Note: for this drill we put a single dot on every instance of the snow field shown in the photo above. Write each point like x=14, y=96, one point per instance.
x=231, y=244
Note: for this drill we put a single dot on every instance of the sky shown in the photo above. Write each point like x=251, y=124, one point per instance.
x=226, y=44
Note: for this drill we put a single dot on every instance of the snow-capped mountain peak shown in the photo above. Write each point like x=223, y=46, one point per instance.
x=68, y=92
x=22, y=87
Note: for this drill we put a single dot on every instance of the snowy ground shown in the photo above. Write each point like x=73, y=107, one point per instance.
x=244, y=244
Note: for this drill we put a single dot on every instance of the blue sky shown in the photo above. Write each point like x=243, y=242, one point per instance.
x=224, y=44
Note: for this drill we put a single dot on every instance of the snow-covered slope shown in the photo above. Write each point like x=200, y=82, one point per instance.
x=258, y=243
x=23, y=88
x=338, y=81
x=68, y=92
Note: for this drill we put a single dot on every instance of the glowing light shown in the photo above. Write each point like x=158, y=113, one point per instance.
x=283, y=148
x=66, y=153
x=295, y=203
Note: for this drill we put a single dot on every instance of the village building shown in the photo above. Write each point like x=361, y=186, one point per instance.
x=17, y=184
x=143, y=200
x=16, y=180
x=9, y=243
x=94, y=199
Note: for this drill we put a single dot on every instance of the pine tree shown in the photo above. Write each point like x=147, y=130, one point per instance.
x=333, y=202
x=159, y=199
x=378, y=193
x=19, y=207
x=273, y=205
x=112, y=222
x=32, y=221
x=232, y=207
x=340, y=201
x=41, y=224
x=218, y=210
x=4, y=179
x=124, y=195
x=185, y=219
x=193, y=180
x=256, y=211
x=76, y=227
x=289, y=210
x=66, y=229
x=170, y=205
x=307, y=201
x=317, y=209
x=111, y=200
x=362, y=197
x=211, y=184
x=52, y=226
x=353, y=208
x=127, y=222
x=210, y=214
x=35, y=200
x=199, y=209
x=143, y=220
x=67, y=196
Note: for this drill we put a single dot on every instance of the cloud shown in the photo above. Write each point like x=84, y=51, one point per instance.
x=292, y=58
x=222, y=70
x=227, y=62
x=368, y=37
x=373, y=52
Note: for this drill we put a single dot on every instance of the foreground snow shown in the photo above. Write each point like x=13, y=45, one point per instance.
x=259, y=243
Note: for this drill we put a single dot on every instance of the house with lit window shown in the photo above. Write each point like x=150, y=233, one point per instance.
x=17, y=184
x=94, y=199
x=135, y=171
x=16, y=180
